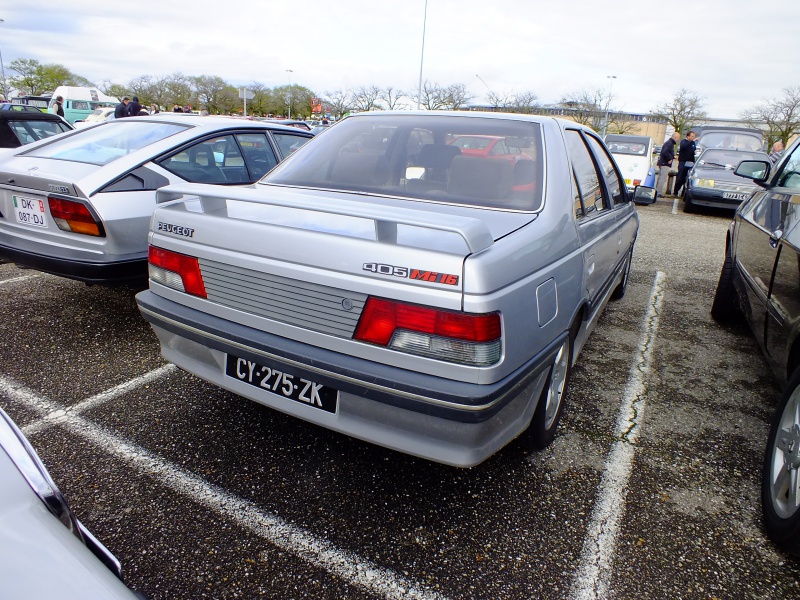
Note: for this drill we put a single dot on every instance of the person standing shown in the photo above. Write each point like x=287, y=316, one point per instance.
x=777, y=152
x=121, y=110
x=58, y=107
x=134, y=108
x=664, y=163
x=177, y=109
x=685, y=159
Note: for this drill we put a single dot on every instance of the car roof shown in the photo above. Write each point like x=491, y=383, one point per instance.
x=221, y=121
x=27, y=115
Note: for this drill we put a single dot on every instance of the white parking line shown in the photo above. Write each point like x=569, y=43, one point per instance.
x=17, y=279
x=597, y=558
x=316, y=551
x=54, y=417
x=675, y=206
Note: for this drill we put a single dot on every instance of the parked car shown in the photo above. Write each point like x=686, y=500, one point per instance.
x=384, y=285
x=80, y=206
x=21, y=124
x=45, y=551
x=98, y=115
x=760, y=280
x=80, y=102
x=747, y=139
x=633, y=154
x=712, y=182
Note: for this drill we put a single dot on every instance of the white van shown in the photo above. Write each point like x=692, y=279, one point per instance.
x=634, y=156
x=79, y=102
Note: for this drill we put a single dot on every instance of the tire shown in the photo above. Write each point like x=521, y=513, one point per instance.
x=725, y=308
x=544, y=423
x=780, y=478
x=688, y=205
x=620, y=290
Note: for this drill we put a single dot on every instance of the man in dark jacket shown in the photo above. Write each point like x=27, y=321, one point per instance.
x=134, y=108
x=685, y=159
x=665, y=163
x=58, y=106
x=121, y=110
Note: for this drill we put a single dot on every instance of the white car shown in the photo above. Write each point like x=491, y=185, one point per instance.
x=105, y=113
x=79, y=205
x=45, y=552
x=633, y=154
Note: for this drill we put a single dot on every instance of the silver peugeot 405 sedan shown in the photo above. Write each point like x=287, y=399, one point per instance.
x=419, y=280
x=79, y=205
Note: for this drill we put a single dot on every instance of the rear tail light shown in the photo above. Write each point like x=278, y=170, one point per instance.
x=470, y=339
x=637, y=182
x=177, y=271
x=74, y=216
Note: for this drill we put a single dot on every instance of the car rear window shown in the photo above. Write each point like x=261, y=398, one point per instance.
x=476, y=161
x=106, y=143
x=728, y=158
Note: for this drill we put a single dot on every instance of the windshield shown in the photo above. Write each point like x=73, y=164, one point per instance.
x=493, y=163
x=727, y=159
x=731, y=141
x=105, y=143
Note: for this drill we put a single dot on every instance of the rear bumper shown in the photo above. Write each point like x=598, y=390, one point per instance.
x=122, y=272
x=438, y=419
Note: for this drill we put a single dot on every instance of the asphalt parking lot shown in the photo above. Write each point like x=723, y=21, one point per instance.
x=651, y=489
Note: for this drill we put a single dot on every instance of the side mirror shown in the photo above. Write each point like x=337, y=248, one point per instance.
x=757, y=170
x=644, y=195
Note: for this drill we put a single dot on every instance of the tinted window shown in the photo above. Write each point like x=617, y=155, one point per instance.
x=588, y=182
x=288, y=142
x=790, y=176
x=29, y=131
x=385, y=155
x=258, y=153
x=202, y=162
x=615, y=184
x=105, y=143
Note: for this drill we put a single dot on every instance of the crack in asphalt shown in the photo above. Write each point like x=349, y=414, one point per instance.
x=592, y=580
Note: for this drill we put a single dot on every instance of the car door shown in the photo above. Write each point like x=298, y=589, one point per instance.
x=783, y=306
x=596, y=222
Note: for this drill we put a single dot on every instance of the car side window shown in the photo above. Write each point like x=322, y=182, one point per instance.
x=790, y=176
x=587, y=180
x=615, y=184
x=258, y=154
x=201, y=162
x=576, y=197
x=288, y=142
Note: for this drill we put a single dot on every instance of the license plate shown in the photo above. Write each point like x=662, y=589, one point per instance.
x=30, y=211
x=627, y=182
x=282, y=384
x=734, y=196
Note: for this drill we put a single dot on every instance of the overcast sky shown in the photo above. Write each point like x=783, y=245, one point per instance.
x=734, y=53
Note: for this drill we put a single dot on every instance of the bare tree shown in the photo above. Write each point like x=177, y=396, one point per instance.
x=456, y=96
x=339, y=101
x=524, y=102
x=781, y=116
x=620, y=126
x=591, y=108
x=366, y=98
x=432, y=96
x=685, y=109
x=393, y=98
x=178, y=89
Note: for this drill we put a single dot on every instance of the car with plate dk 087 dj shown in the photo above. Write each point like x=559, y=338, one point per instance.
x=79, y=205
x=389, y=284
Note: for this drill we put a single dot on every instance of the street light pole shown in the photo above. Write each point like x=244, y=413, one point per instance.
x=422, y=57
x=608, y=106
x=289, y=71
x=3, y=69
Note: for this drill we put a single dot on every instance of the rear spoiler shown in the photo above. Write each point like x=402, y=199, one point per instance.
x=473, y=231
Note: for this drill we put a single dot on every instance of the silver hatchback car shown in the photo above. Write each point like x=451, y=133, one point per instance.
x=422, y=281
x=79, y=205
